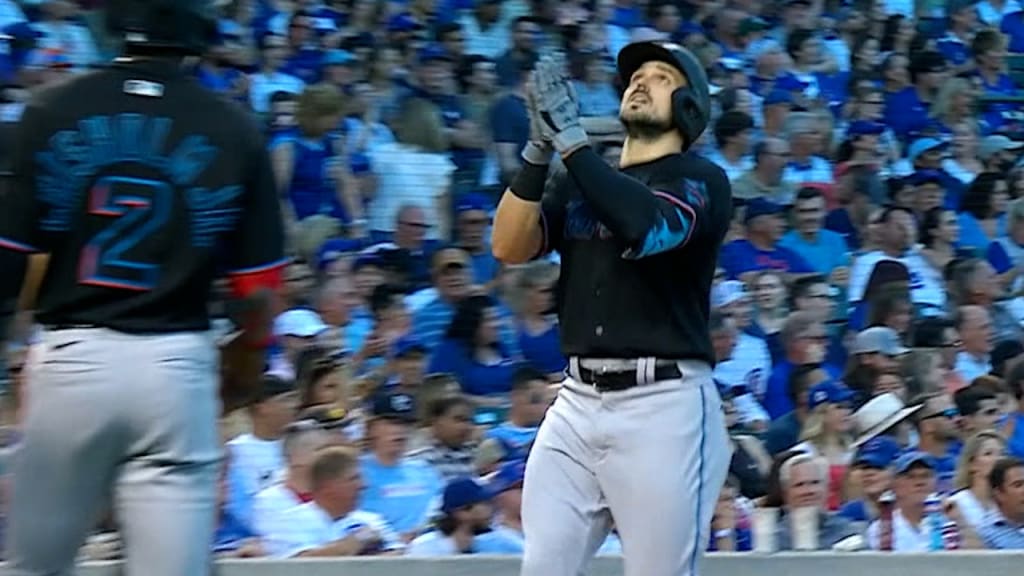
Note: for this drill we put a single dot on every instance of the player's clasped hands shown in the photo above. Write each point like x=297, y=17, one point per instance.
x=554, y=107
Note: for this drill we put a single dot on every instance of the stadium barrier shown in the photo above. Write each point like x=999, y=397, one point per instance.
x=722, y=564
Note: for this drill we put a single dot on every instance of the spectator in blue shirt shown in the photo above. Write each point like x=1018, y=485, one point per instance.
x=938, y=436
x=472, y=218
x=533, y=298
x=873, y=460
x=955, y=45
x=760, y=250
x=472, y=350
x=989, y=50
x=529, y=401
x=824, y=250
x=805, y=340
x=510, y=124
x=983, y=212
x=1003, y=529
x=452, y=279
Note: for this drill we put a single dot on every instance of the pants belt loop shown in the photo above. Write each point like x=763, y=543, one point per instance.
x=652, y=369
x=574, y=368
x=640, y=371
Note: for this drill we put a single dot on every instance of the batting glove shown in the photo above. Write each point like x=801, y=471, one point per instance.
x=538, y=150
x=557, y=107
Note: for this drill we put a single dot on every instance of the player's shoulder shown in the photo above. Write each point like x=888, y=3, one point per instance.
x=697, y=167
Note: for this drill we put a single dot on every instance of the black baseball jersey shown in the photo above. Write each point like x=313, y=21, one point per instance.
x=141, y=186
x=617, y=303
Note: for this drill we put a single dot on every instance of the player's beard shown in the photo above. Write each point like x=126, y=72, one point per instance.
x=644, y=126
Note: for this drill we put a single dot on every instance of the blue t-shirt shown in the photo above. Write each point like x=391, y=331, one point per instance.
x=776, y=394
x=839, y=221
x=543, y=351
x=825, y=255
x=905, y=113
x=509, y=121
x=517, y=438
x=973, y=236
x=855, y=511
x=405, y=495
x=305, y=65
x=1013, y=26
x=478, y=379
x=740, y=256
x=1015, y=443
x=1001, y=116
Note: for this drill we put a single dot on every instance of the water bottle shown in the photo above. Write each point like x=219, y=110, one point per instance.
x=886, y=504
x=934, y=520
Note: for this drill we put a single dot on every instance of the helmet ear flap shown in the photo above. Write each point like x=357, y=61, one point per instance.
x=687, y=115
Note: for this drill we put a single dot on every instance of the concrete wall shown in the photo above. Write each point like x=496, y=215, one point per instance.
x=804, y=564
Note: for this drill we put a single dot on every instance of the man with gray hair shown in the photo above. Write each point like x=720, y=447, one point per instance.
x=804, y=482
x=806, y=166
x=764, y=180
x=804, y=341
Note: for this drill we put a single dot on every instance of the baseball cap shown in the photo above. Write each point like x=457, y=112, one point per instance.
x=508, y=476
x=911, y=459
x=925, y=177
x=753, y=24
x=432, y=53
x=463, y=493
x=879, y=452
x=271, y=386
x=328, y=417
x=448, y=258
x=864, y=128
x=408, y=345
x=727, y=292
x=394, y=406
x=470, y=202
x=403, y=23
x=828, y=392
x=922, y=145
x=299, y=322
x=879, y=339
x=992, y=145
x=760, y=207
x=337, y=58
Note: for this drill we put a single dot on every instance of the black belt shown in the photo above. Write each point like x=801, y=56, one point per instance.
x=59, y=327
x=624, y=379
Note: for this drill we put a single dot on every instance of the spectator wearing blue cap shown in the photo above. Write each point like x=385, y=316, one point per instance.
x=827, y=433
x=764, y=179
x=271, y=75
x=403, y=490
x=760, y=250
x=872, y=466
x=506, y=484
x=466, y=513
x=824, y=250
x=332, y=523
x=913, y=483
x=408, y=364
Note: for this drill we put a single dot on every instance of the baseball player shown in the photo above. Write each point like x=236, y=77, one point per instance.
x=637, y=432
x=132, y=186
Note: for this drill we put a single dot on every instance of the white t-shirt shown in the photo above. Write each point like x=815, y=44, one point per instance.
x=926, y=285
x=255, y=463
x=307, y=526
x=749, y=365
x=971, y=508
x=906, y=537
x=408, y=176
x=271, y=503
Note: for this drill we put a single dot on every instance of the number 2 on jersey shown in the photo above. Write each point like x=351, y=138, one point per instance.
x=136, y=208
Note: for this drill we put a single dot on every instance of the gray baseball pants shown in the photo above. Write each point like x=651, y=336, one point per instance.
x=124, y=420
x=653, y=458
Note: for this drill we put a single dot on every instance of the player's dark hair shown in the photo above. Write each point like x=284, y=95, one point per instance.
x=525, y=376
x=997, y=477
x=466, y=321
x=968, y=400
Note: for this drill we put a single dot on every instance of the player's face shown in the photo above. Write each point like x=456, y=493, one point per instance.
x=646, y=108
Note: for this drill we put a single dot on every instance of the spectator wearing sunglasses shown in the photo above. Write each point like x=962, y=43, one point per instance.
x=937, y=425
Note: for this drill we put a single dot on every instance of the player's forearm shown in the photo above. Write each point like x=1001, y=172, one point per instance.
x=518, y=234
x=625, y=205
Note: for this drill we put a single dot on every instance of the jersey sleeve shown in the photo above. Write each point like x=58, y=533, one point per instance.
x=22, y=203
x=258, y=241
x=553, y=213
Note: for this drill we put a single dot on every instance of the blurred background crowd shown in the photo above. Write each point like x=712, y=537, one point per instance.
x=867, y=317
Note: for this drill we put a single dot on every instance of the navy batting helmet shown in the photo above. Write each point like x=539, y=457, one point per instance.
x=180, y=26
x=691, y=105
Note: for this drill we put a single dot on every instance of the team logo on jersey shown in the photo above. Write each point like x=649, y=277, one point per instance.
x=581, y=224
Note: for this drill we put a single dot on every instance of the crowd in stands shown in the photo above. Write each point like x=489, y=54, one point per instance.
x=867, y=317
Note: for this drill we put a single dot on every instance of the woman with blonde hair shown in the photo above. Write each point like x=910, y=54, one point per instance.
x=953, y=103
x=973, y=496
x=963, y=163
x=415, y=170
x=826, y=433
x=309, y=165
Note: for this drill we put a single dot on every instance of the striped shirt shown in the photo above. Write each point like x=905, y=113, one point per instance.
x=998, y=533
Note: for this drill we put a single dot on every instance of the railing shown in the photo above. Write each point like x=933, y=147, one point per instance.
x=789, y=564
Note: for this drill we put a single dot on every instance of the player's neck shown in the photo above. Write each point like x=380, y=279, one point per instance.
x=640, y=151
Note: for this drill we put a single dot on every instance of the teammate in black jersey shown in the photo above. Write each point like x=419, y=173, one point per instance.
x=133, y=186
x=637, y=432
